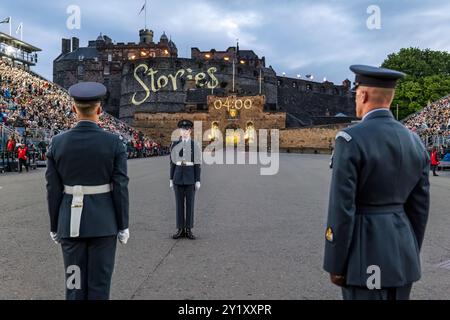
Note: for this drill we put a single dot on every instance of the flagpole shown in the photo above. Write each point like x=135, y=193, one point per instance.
x=234, y=71
x=234, y=66
x=145, y=14
x=10, y=26
x=260, y=80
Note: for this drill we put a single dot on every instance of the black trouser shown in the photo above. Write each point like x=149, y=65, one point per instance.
x=185, y=200
x=23, y=162
x=433, y=167
x=94, y=258
x=10, y=159
x=361, y=293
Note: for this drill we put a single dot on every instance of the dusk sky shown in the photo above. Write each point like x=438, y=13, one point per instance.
x=319, y=37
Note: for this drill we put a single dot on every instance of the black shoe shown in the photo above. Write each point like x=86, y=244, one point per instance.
x=179, y=234
x=435, y=175
x=189, y=234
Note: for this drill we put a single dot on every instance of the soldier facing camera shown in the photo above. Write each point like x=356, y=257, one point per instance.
x=185, y=173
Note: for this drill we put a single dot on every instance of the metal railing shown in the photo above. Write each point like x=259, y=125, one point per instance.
x=440, y=141
x=5, y=133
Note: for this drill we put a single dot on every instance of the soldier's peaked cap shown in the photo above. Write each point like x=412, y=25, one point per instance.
x=88, y=91
x=185, y=124
x=369, y=76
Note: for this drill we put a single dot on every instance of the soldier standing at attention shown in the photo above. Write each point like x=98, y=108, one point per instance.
x=87, y=193
x=185, y=171
x=379, y=198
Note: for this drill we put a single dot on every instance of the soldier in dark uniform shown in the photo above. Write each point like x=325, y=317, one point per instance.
x=379, y=198
x=185, y=171
x=87, y=193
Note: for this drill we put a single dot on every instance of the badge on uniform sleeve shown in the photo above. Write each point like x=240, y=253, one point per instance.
x=332, y=160
x=345, y=135
x=329, y=235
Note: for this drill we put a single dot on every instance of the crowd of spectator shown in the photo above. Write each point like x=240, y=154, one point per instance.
x=432, y=124
x=30, y=104
x=433, y=120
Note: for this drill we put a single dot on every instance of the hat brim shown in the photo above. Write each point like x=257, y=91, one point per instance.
x=88, y=100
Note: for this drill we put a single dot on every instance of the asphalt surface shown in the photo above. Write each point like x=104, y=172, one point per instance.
x=259, y=237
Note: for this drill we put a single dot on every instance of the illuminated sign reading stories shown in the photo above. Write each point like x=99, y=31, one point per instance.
x=153, y=82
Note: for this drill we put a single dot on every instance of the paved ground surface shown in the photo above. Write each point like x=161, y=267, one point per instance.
x=259, y=237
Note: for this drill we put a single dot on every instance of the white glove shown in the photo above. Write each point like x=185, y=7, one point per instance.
x=171, y=184
x=123, y=236
x=198, y=185
x=55, y=237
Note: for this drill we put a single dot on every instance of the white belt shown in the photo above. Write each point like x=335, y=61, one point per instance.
x=185, y=164
x=78, y=193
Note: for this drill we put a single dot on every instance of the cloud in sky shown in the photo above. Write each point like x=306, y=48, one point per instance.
x=320, y=37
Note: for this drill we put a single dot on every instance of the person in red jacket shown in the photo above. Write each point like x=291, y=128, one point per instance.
x=10, y=148
x=434, y=160
x=22, y=155
x=11, y=144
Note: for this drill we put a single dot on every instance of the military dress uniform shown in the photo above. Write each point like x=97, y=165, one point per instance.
x=185, y=174
x=379, y=201
x=87, y=193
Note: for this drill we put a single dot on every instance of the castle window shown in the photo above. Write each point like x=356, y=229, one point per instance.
x=308, y=87
x=280, y=83
x=107, y=70
x=80, y=70
x=323, y=89
x=215, y=131
x=250, y=132
x=294, y=84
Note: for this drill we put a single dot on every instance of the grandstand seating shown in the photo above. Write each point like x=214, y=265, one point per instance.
x=33, y=109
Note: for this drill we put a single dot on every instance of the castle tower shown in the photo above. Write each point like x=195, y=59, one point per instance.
x=164, y=39
x=146, y=36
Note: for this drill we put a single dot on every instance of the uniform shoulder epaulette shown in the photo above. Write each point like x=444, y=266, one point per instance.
x=345, y=135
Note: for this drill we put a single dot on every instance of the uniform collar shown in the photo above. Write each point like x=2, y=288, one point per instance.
x=378, y=113
x=87, y=124
x=186, y=140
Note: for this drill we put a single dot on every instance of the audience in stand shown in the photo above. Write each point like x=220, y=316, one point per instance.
x=31, y=103
x=433, y=120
